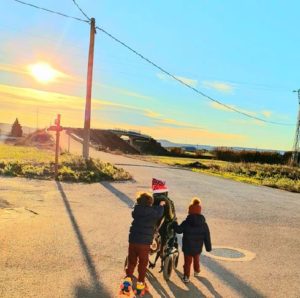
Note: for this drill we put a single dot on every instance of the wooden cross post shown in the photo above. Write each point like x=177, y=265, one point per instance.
x=58, y=129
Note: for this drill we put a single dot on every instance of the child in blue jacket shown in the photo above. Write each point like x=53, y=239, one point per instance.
x=195, y=233
x=145, y=217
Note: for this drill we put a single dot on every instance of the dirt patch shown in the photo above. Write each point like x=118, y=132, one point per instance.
x=40, y=139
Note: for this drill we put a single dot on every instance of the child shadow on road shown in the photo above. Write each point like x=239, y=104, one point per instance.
x=192, y=291
x=177, y=291
x=209, y=286
x=156, y=285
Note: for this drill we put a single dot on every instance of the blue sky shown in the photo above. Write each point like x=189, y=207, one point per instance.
x=244, y=54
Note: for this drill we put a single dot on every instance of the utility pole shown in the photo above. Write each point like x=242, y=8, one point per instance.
x=87, y=115
x=296, y=148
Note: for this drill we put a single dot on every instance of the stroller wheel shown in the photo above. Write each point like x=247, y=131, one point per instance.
x=176, y=260
x=168, y=267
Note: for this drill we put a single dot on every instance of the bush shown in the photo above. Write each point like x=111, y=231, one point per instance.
x=177, y=151
x=277, y=176
x=73, y=169
x=269, y=157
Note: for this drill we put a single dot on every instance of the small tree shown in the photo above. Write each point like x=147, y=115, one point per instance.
x=16, y=130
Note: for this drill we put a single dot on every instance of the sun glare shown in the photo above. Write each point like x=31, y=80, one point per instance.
x=43, y=72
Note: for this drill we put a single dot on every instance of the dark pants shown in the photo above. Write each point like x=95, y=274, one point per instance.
x=138, y=252
x=188, y=262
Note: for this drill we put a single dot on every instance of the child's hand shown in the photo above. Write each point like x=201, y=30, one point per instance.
x=162, y=203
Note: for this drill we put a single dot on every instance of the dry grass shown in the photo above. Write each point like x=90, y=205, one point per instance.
x=277, y=176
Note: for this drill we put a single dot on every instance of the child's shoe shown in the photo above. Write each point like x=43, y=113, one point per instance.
x=141, y=289
x=185, y=279
x=196, y=273
x=126, y=286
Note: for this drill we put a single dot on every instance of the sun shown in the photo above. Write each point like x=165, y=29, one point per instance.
x=43, y=72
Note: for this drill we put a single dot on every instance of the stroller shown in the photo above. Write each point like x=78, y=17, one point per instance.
x=165, y=242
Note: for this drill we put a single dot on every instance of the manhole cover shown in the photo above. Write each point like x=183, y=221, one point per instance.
x=226, y=253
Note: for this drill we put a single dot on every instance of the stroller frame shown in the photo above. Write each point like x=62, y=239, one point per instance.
x=167, y=252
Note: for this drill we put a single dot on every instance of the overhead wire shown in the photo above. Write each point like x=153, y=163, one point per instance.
x=51, y=11
x=185, y=84
x=157, y=66
x=74, y=1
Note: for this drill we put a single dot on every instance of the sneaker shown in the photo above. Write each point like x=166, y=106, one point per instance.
x=141, y=289
x=126, y=286
x=196, y=273
x=185, y=279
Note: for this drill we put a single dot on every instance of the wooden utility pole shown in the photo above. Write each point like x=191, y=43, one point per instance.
x=87, y=115
x=296, y=147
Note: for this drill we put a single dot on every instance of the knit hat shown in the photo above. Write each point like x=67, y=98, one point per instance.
x=195, y=206
x=159, y=186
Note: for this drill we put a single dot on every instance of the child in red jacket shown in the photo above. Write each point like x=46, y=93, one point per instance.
x=195, y=233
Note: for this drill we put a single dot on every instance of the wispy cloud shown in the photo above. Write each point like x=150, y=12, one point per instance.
x=65, y=78
x=247, y=122
x=23, y=102
x=219, y=86
x=124, y=91
x=29, y=98
x=152, y=114
x=217, y=106
x=189, y=81
x=267, y=114
x=175, y=123
x=188, y=135
x=12, y=69
x=161, y=120
x=261, y=114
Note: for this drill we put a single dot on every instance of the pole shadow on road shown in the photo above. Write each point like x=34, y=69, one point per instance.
x=230, y=279
x=120, y=195
x=83, y=291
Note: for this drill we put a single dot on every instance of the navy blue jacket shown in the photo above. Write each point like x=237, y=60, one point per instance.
x=144, y=221
x=195, y=232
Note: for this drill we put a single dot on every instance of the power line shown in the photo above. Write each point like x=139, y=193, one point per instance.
x=51, y=11
x=74, y=1
x=185, y=84
x=156, y=65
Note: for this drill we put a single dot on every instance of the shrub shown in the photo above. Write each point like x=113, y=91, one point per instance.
x=269, y=157
x=277, y=176
x=73, y=169
x=177, y=151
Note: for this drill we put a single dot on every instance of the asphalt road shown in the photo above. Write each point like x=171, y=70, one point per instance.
x=67, y=240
